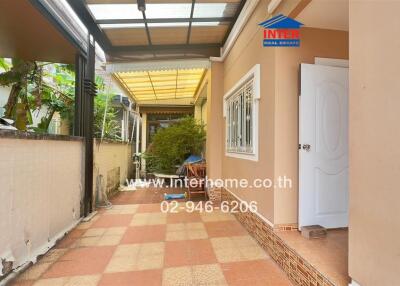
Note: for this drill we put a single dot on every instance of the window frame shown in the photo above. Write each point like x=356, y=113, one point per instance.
x=252, y=74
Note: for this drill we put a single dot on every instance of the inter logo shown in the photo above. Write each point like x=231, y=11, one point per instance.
x=281, y=31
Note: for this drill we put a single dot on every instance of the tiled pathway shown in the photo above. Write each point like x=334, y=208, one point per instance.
x=139, y=245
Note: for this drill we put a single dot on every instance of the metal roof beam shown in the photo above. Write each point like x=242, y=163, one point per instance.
x=147, y=28
x=164, y=47
x=83, y=13
x=174, y=51
x=239, y=9
x=164, y=20
x=190, y=22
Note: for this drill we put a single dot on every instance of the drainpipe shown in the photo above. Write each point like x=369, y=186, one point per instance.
x=90, y=93
x=137, y=163
x=144, y=140
x=85, y=91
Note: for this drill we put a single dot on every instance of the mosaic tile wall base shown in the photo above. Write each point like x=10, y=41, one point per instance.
x=297, y=269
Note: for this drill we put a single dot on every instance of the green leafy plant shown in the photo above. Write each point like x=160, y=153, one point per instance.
x=172, y=145
x=39, y=86
x=112, y=127
x=4, y=65
x=34, y=86
x=54, y=89
x=17, y=76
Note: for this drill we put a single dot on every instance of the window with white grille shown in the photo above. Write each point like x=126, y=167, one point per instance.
x=241, y=117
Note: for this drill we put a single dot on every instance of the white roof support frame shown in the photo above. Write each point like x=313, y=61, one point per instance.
x=158, y=65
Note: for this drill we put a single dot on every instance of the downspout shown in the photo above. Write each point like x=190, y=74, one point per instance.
x=90, y=93
x=137, y=159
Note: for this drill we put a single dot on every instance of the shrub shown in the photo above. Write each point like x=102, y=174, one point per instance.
x=172, y=145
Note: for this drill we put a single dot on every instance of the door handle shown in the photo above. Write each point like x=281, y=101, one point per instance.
x=307, y=147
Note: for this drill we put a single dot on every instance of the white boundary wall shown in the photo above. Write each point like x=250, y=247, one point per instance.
x=40, y=195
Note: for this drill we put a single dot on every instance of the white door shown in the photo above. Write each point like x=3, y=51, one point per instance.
x=323, y=153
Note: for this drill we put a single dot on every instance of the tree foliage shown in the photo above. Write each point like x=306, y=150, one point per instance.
x=39, y=86
x=172, y=145
x=34, y=85
x=55, y=90
x=112, y=128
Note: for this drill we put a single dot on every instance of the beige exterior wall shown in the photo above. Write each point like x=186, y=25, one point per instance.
x=246, y=53
x=214, y=143
x=278, y=110
x=374, y=244
x=112, y=160
x=40, y=195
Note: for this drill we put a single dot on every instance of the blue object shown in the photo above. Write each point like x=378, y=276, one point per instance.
x=190, y=160
x=281, y=22
x=193, y=159
x=174, y=196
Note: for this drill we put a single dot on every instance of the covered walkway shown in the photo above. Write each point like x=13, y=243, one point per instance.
x=137, y=244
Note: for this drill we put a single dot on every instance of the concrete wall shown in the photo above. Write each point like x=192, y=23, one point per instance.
x=40, y=195
x=113, y=161
x=374, y=244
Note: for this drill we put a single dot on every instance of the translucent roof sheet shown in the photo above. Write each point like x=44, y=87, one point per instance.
x=154, y=25
x=168, y=11
x=207, y=10
x=115, y=11
x=169, y=84
x=130, y=11
x=122, y=26
x=171, y=27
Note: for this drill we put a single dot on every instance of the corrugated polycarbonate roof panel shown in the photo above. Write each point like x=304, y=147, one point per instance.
x=167, y=84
